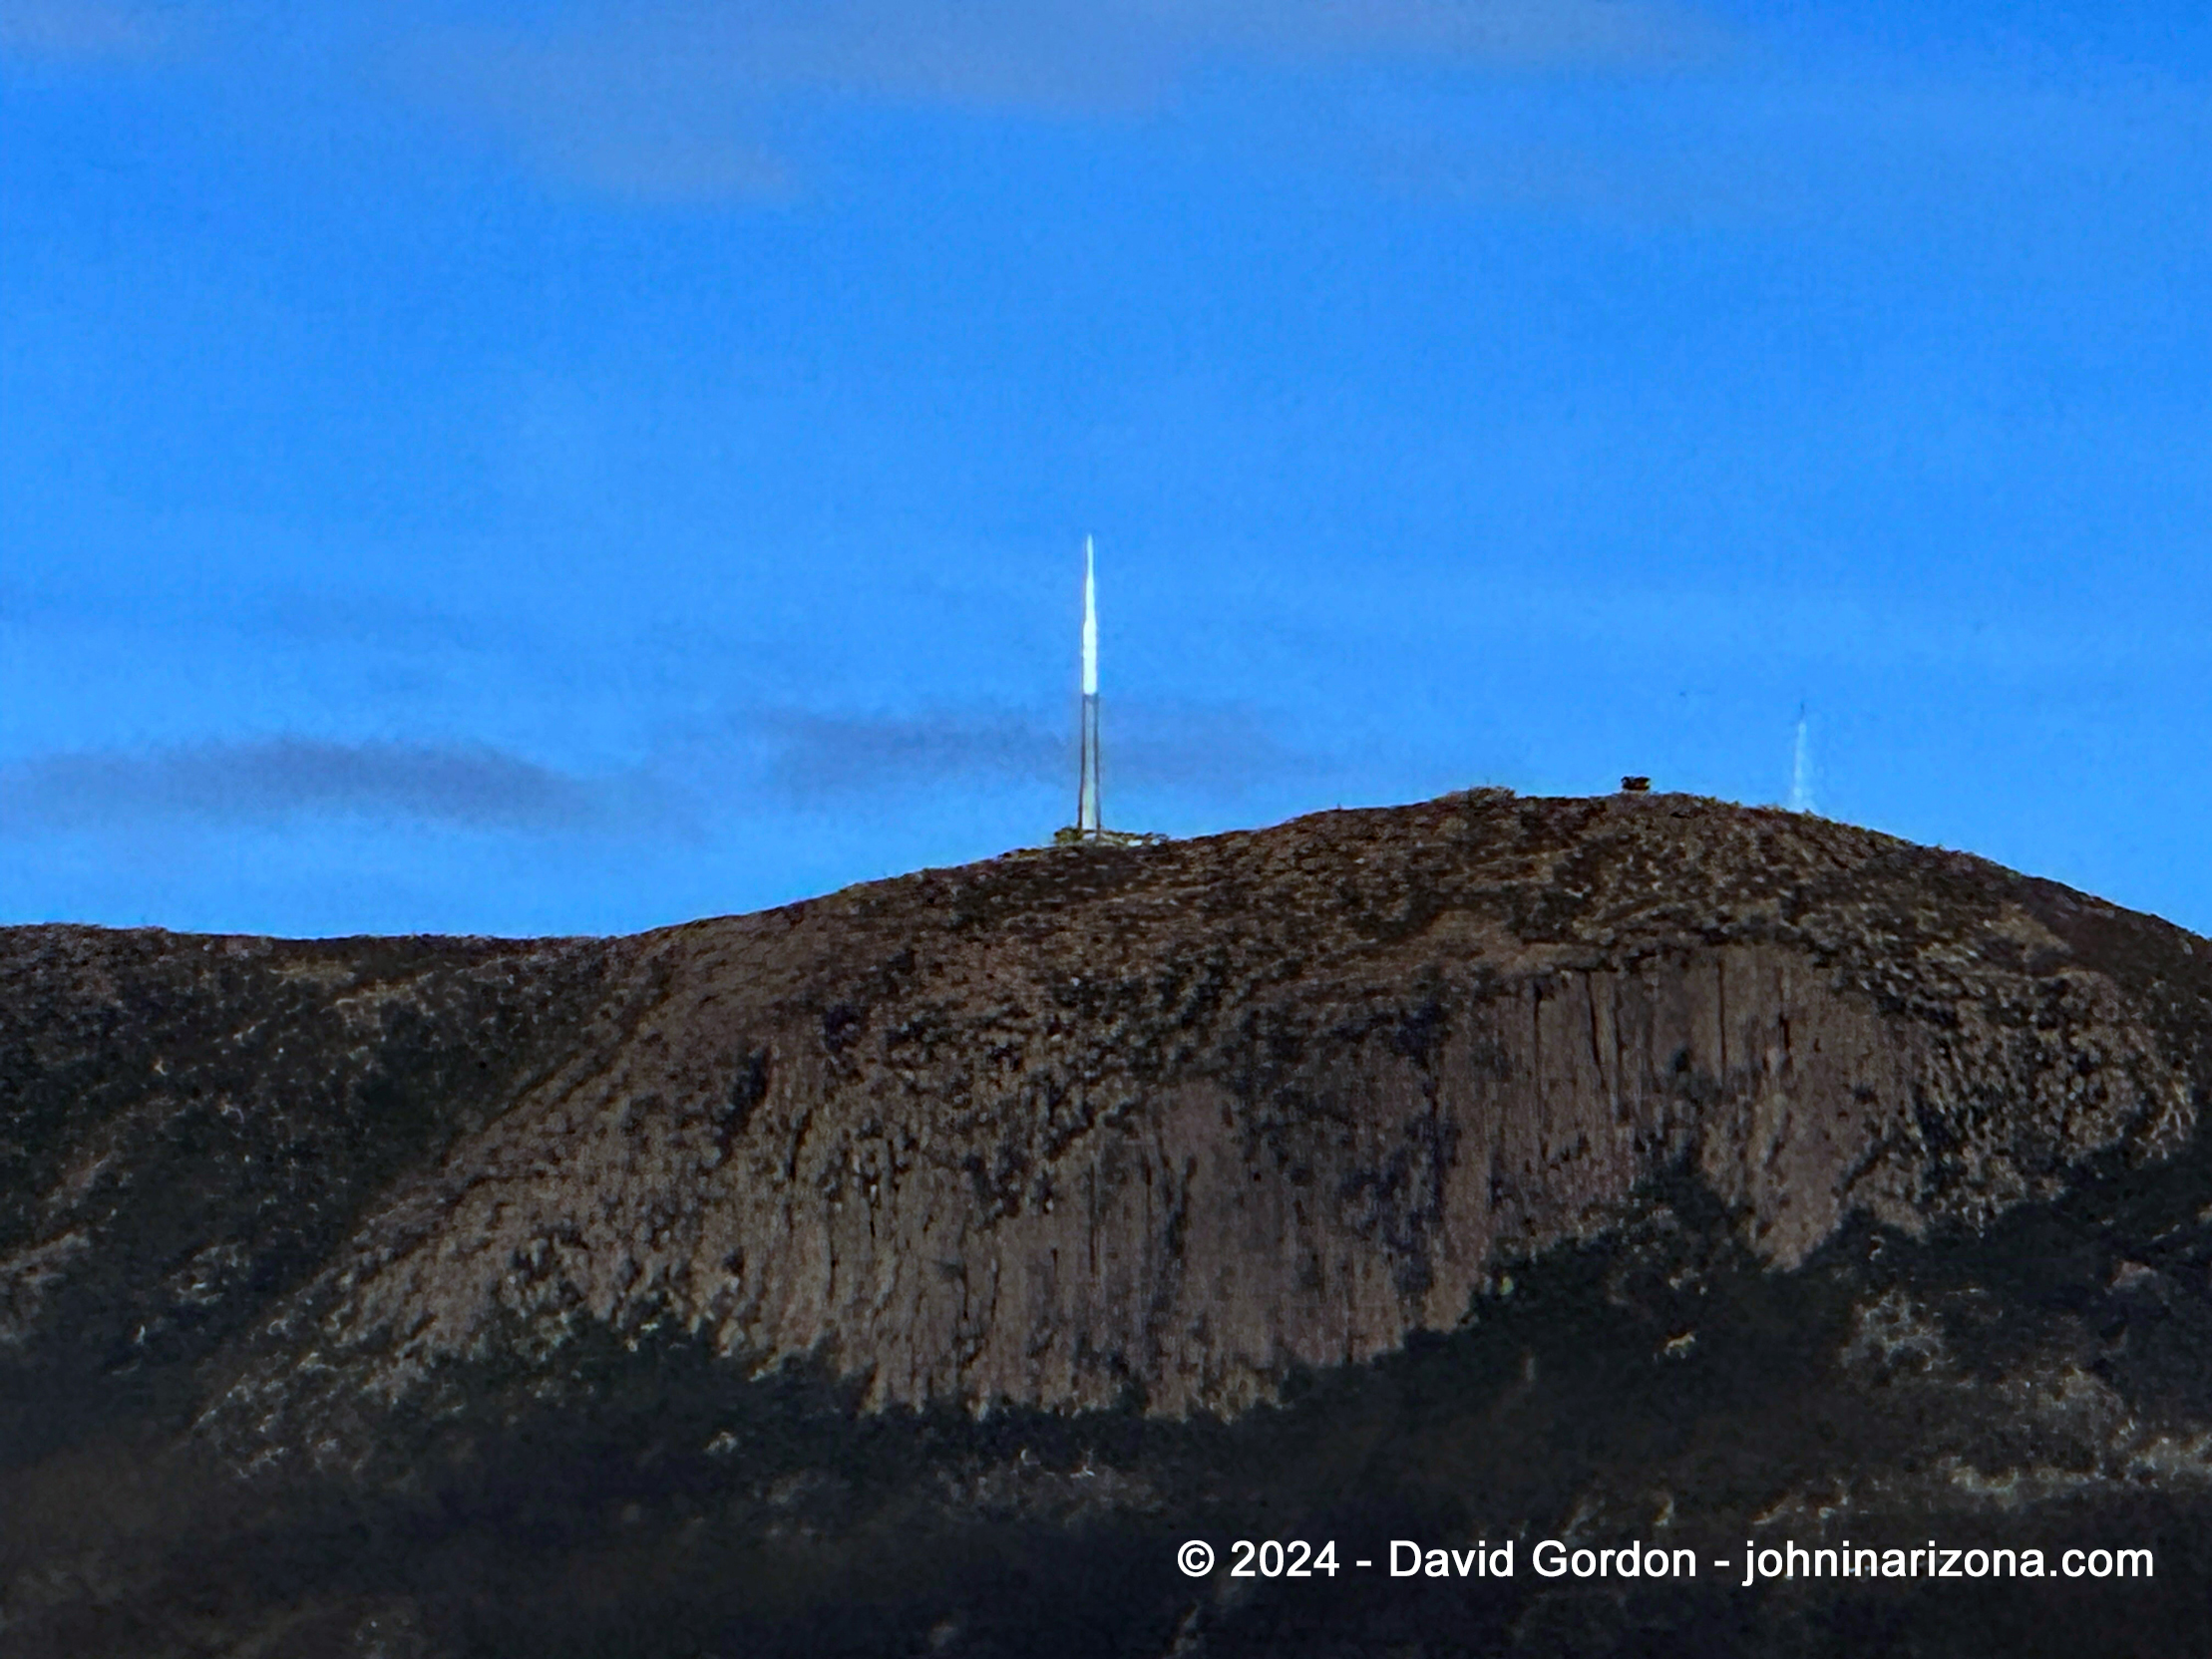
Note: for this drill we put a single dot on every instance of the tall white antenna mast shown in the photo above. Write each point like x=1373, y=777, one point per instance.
x=1089, y=828
x=1086, y=794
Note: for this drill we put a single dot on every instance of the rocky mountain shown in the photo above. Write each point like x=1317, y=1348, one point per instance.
x=914, y=1271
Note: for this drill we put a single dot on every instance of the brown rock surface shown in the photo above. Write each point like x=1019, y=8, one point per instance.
x=1075, y=1128
x=1182, y=1118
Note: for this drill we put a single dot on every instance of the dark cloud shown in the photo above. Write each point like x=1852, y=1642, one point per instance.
x=802, y=759
x=823, y=756
x=1202, y=749
x=281, y=777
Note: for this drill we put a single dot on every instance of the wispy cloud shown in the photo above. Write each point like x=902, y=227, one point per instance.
x=1208, y=751
x=674, y=101
x=278, y=779
x=632, y=118
x=1815, y=152
x=80, y=31
x=1521, y=33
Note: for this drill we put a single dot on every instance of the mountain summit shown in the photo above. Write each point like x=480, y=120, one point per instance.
x=915, y=1268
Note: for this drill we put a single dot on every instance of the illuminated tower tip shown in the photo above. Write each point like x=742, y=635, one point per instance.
x=1090, y=621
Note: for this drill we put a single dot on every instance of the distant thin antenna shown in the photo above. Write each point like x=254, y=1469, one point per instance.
x=1801, y=769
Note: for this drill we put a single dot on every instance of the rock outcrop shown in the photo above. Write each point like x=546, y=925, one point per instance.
x=1132, y=1137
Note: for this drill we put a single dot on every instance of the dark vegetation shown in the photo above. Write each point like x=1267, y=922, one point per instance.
x=659, y=1502
x=212, y=1122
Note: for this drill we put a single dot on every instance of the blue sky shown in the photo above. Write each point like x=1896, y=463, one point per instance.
x=573, y=467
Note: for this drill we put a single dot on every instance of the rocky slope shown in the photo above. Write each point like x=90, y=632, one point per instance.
x=913, y=1269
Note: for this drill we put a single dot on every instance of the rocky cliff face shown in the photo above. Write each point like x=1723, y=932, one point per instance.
x=1250, y=1180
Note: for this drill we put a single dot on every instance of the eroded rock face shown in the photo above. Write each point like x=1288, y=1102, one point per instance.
x=1152, y=1130
x=1177, y=1120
